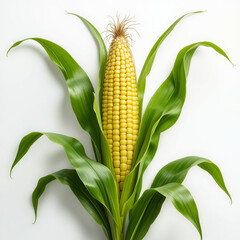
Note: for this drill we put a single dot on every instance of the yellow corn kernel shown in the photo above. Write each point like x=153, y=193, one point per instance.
x=123, y=167
x=116, y=163
x=118, y=178
x=124, y=159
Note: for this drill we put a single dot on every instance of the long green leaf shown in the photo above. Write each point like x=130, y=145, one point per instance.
x=175, y=171
x=97, y=178
x=150, y=59
x=143, y=211
x=161, y=113
x=166, y=104
x=80, y=90
x=102, y=54
x=70, y=178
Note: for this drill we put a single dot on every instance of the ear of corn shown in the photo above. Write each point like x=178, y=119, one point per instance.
x=120, y=115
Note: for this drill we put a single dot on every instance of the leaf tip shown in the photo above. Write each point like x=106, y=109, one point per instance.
x=69, y=13
x=10, y=173
x=8, y=51
x=230, y=198
x=233, y=64
x=35, y=210
x=74, y=14
x=15, y=45
x=35, y=219
x=199, y=228
x=201, y=11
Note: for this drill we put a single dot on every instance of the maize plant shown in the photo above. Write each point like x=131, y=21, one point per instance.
x=123, y=137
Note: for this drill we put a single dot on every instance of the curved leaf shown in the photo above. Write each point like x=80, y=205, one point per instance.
x=150, y=59
x=80, y=90
x=161, y=113
x=97, y=178
x=166, y=104
x=175, y=171
x=70, y=178
x=142, y=212
x=102, y=54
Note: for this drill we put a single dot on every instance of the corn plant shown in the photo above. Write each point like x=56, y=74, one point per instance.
x=123, y=137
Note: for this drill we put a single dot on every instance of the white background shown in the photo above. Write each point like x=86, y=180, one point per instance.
x=33, y=97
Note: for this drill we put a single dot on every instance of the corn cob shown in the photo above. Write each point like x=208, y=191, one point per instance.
x=120, y=114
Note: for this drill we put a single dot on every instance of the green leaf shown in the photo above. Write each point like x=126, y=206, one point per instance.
x=161, y=113
x=143, y=211
x=70, y=178
x=102, y=54
x=97, y=178
x=150, y=59
x=80, y=90
x=166, y=104
x=175, y=171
